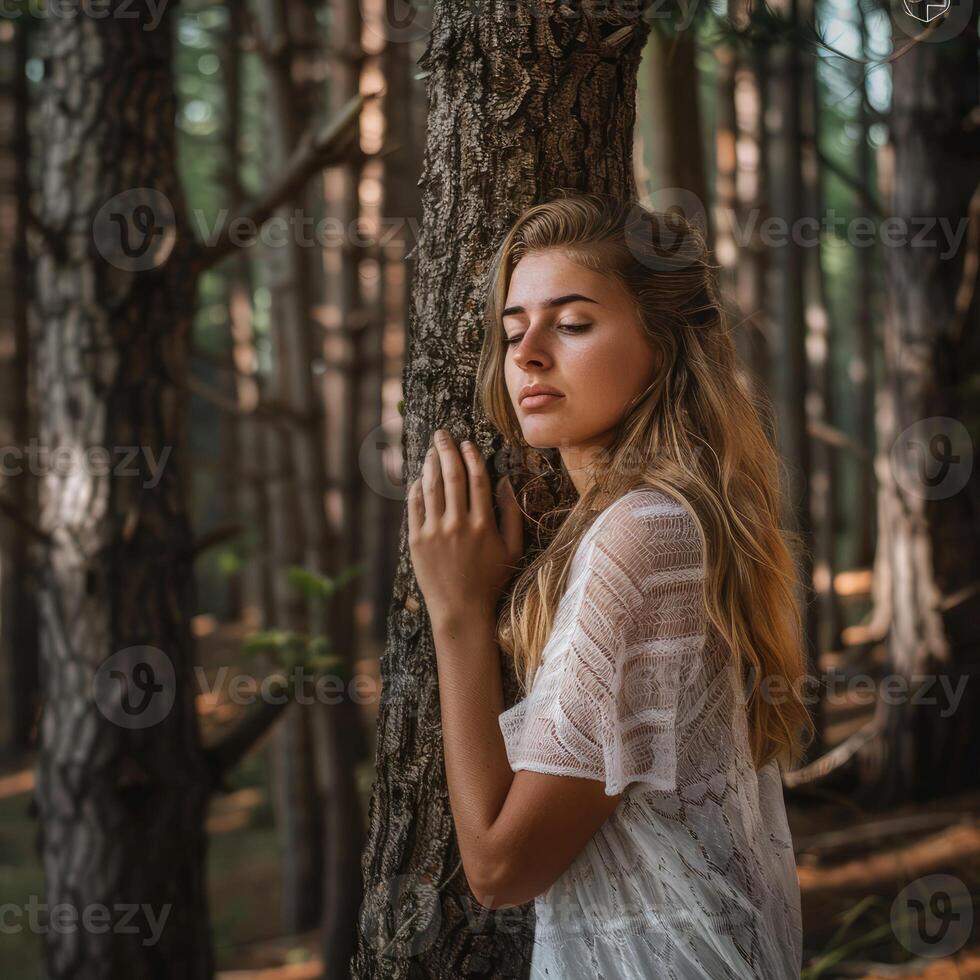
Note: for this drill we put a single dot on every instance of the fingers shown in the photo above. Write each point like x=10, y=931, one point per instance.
x=432, y=492
x=416, y=506
x=454, y=478
x=481, y=506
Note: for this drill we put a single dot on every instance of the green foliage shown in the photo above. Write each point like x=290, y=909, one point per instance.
x=313, y=653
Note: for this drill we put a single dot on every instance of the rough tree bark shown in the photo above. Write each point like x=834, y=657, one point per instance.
x=522, y=98
x=929, y=540
x=121, y=796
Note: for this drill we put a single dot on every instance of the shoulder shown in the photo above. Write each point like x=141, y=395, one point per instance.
x=642, y=543
x=644, y=519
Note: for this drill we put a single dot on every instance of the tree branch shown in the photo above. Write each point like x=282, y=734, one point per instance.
x=313, y=153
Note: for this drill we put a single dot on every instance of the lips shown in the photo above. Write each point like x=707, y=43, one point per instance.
x=538, y=391
x=539, y=401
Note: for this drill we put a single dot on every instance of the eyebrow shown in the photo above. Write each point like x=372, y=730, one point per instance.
x=547, y=304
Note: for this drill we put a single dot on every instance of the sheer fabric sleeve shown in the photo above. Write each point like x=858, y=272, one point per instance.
x=606, y=700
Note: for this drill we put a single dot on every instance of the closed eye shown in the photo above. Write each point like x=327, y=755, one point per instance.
x=573, y=327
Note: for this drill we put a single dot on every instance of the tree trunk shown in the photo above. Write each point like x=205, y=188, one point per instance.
x=522, y=99
x=121, y=782
x=341, y=745
x=784, y=296
x=928, y=493
x=297, y=519
x=18, y=487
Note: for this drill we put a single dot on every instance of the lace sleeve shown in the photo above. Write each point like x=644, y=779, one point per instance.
x=628, y=633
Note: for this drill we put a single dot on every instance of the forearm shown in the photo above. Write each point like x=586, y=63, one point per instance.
x=477, y=772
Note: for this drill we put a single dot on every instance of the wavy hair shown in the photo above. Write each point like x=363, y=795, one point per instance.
x=696, y=432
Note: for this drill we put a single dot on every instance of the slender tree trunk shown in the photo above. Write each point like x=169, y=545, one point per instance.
x=522, y=99
x=677, y=155
x=121, y=782
x=751, y=181
x=862, y=370
x=404, y=122
x=18, y=488
x=296, y=493
x=784, y=293
x=341, y=745
x=927, y=487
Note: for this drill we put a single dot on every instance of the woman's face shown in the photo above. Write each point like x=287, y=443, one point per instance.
x=574, y=330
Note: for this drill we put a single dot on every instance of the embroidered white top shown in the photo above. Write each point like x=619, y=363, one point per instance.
x=693, y=876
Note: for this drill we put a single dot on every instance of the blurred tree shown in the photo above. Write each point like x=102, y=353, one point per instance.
x=18, y=488
x=926, y=744
x=121, y=793
x=522, y=100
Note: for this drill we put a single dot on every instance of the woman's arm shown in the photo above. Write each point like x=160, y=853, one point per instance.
x=517, y=832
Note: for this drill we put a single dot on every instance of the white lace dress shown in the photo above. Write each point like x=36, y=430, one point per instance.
x=693, y=876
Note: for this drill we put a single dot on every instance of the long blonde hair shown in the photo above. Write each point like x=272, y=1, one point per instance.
x=696, y=433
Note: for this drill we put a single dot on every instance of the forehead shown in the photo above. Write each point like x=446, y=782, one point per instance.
x=540, y=276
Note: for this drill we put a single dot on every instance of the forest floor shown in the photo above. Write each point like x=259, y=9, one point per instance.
x=852, y=865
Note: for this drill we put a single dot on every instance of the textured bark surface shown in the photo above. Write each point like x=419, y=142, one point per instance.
x=522, y=98
x=121, y=808
x=929, y=539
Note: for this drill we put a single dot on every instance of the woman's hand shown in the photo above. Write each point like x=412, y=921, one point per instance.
x=462, y=561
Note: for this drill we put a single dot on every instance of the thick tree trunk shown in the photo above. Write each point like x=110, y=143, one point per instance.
x=522, y=99
x=121, y=782
x=928, y=492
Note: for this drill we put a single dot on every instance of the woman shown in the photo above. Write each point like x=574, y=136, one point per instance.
x=634, y=793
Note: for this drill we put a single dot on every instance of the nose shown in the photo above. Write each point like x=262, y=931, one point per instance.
x=532, y=350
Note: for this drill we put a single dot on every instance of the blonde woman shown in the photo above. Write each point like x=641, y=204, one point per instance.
x=634, y=791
